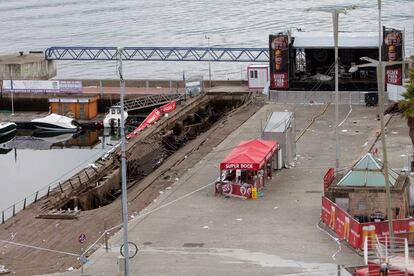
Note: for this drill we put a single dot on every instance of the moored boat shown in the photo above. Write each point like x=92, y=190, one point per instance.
x=7, y=128
x=55, y=122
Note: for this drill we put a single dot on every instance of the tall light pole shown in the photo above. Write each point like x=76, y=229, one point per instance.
x=123, y=165
x=335, y=20
x=335, y=11
x=381, y=77
x=11, y=92
x=380, y=65
x=209, y=59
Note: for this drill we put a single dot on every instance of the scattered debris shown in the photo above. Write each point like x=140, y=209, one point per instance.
x=70, y=269
x=60, y=214
x=344, y=130
x=239, y=219
x=3, y=270
x=205, y=227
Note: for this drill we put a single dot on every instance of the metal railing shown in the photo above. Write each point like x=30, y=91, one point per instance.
x=307, y=97
x=148, y=101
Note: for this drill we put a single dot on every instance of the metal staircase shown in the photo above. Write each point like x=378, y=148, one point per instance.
x=148, y=101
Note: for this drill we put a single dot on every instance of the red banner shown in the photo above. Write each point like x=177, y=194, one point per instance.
x=344, y=225
x=154, y=116
x=167, y=108
x=401, y=227
x=151, y=118
x=279, y=61
x=393, y=74
x=392, y=50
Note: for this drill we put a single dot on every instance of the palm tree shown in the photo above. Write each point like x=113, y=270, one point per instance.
x=407, y=106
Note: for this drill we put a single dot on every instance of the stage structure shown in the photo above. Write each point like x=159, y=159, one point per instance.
x=305, y=61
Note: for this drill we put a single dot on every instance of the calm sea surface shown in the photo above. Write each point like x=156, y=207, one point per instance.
x=32, y=160
x=37, y=24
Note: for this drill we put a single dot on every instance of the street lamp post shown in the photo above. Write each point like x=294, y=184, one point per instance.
x=11, y=92
x=380, y=65
x=209, y=59
x=381, y=77
x=123, y=165
x=335, y=19
x=335, y=11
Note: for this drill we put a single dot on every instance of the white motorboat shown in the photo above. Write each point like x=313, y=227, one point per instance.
x=7, y=128
x=113, y=117
x=55, y=122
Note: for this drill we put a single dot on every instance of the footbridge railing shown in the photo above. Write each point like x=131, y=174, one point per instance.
x=149, y=101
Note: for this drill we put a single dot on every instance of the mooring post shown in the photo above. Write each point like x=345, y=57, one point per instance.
x=48, y=191
x=339, y=270
x=60, y=186
x=24, y=204
x=14, y=210
x=37, y=194
x=2, y=217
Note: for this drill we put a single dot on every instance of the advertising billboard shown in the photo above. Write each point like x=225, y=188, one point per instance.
x=392, y=50
x=279, y=61
x=42, y=86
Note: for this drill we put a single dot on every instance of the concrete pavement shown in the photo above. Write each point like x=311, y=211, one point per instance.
x=201, y=234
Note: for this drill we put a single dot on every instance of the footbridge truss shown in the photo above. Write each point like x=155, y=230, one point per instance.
x=213, y=54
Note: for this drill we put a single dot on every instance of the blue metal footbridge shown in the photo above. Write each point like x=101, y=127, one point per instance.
x=212, y=54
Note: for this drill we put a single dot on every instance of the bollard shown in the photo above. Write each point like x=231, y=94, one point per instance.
x=254, y=193
x=14, y=210
x=48, y=191
x=121, y=266
x=37, y=194
x=2, y=217
x=365, y=232
x=24, y=204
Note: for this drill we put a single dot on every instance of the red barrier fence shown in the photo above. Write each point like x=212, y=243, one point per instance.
x=328, y=178
x=349, y=229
